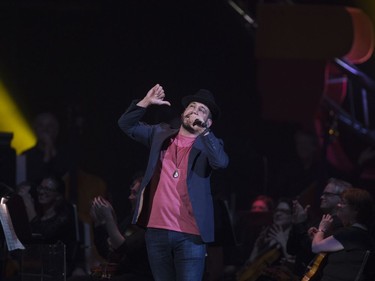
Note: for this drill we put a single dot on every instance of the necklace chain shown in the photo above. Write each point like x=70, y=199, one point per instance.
x=177, y=152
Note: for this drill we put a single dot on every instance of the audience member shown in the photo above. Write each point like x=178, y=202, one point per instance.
x=47, y=156
x=262, y=203
x=51, y=217
x=269, y=259
x=299, y=242
x=347, y=249
x=248, y=226
x=121, y=245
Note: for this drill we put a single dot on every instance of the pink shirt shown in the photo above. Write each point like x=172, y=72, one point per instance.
x=171, y=207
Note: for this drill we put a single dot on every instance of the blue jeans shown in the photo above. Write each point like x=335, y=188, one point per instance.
x=175, y=256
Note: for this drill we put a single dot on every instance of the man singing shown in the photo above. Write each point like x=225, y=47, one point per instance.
x=175, y=202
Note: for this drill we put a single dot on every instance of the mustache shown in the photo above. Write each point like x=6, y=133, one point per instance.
x=188, y=115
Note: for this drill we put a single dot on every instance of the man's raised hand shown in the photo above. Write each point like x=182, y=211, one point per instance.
x=155, y=95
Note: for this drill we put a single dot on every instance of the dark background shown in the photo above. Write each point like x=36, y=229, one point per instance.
x=86, y=60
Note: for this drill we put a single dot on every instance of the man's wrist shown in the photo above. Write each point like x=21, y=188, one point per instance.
x=144, y=103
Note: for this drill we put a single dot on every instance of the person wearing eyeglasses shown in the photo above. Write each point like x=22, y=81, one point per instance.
x=50, y=215
x=348, y=249
x=299, y=241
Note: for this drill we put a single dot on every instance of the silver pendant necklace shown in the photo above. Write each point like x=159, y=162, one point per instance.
x=175, y=174
x=177, y=163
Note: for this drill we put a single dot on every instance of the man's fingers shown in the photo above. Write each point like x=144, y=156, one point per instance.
x=166, y=103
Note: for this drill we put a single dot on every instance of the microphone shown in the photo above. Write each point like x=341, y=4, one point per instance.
x=199, y=123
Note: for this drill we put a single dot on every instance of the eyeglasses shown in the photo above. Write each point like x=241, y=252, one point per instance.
x=41, y=188
x=329, y=194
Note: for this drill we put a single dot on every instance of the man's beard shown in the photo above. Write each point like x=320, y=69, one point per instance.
x=188, y=128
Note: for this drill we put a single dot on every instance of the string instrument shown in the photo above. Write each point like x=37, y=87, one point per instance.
x=256, y=268
x=316, y=267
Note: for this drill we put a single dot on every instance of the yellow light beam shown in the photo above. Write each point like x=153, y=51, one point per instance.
x=12, y=120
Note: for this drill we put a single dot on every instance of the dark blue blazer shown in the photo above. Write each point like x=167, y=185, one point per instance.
x=206, y=154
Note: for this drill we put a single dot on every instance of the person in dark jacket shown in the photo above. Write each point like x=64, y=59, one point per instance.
x=122, y=245
x=299, y=241
x=175, y=203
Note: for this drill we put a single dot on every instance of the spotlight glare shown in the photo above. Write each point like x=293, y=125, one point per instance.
x=12, y=120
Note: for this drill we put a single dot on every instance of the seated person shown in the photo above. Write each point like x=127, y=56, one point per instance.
x=269, y=259
x=51, y=217
x=121, y=245
x=299, y=242
x=47, y=156
x=347, y=248
x=262, y=203
x=249, y=224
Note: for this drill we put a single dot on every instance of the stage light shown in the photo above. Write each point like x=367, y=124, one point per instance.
x=12, y=120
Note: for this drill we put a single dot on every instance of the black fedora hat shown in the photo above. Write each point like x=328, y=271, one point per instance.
x=207, y=98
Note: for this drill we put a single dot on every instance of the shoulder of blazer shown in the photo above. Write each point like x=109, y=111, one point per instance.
x=163, y=132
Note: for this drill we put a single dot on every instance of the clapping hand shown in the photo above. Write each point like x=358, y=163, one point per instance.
x=279, y=235
x=311, y=232
x=300, y=214
x=324, y=226
x=325, y=223
x=23, y=189
x=101, y=211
